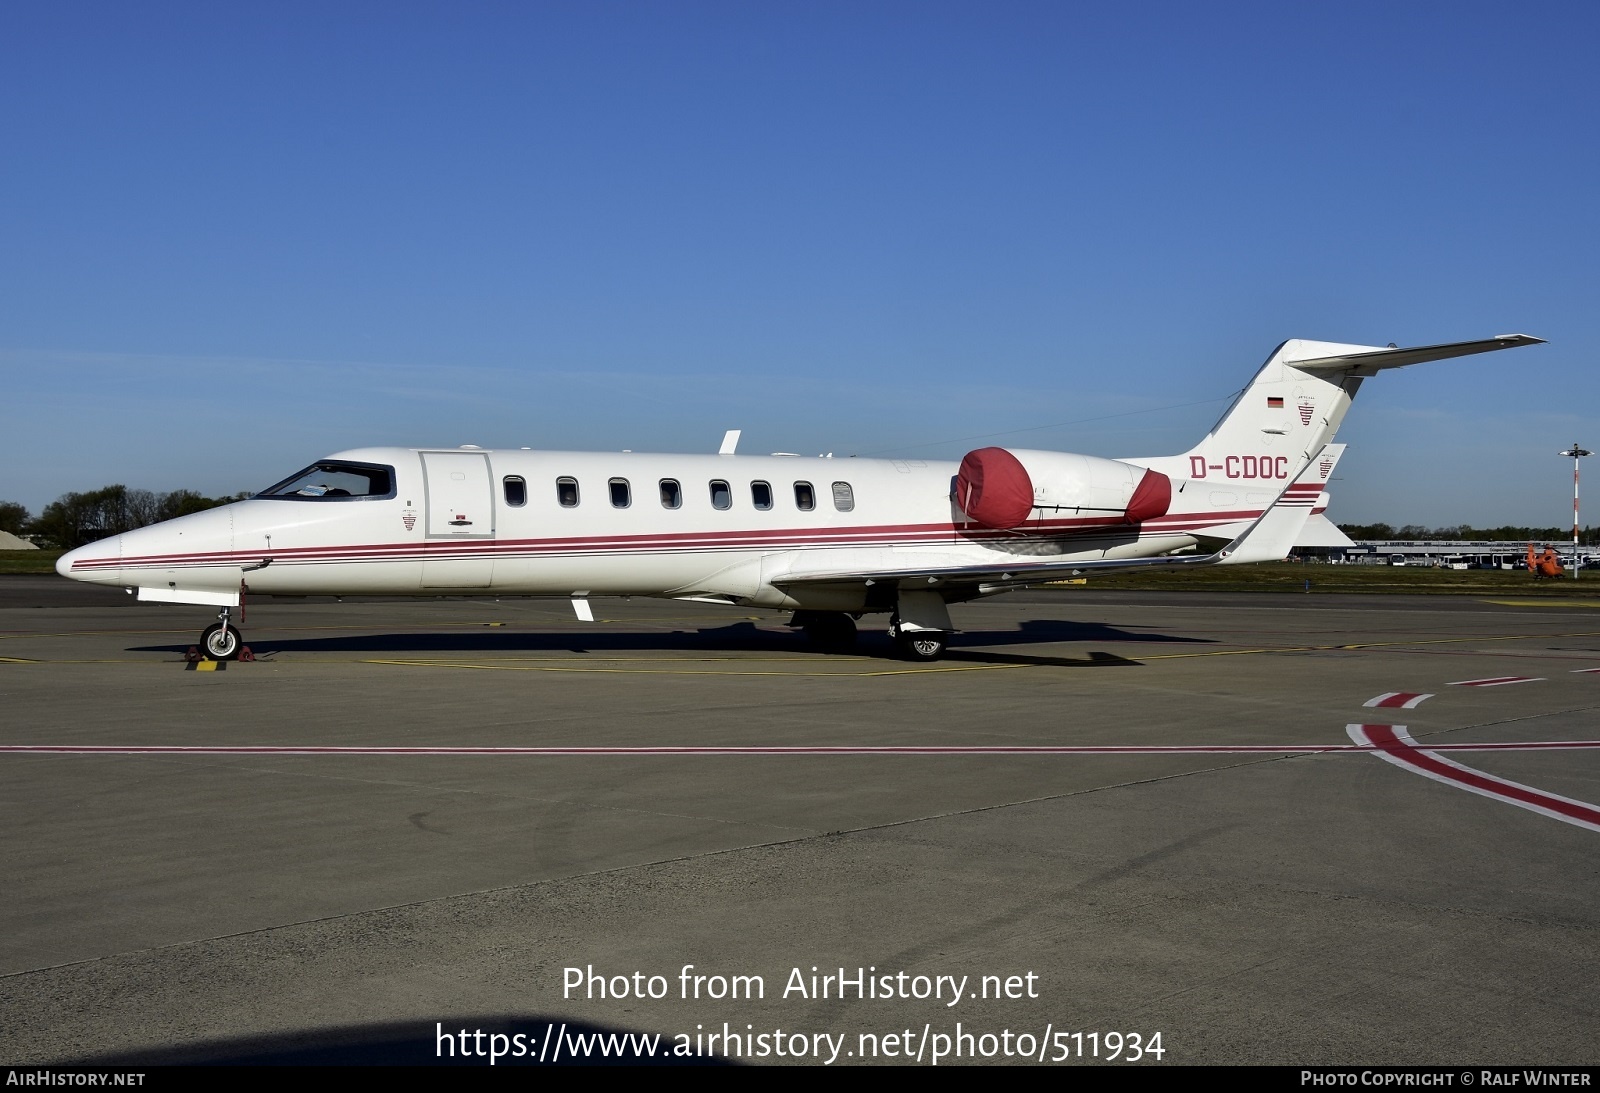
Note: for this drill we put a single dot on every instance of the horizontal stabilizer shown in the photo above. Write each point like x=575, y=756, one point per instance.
x=1373, y=361
x=1321, y=532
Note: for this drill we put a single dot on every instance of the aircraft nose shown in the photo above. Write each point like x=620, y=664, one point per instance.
x=100, y=562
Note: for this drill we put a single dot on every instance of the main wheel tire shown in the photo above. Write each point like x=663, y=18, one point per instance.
x=923, y=646
x=220, y=642
x=833, y=631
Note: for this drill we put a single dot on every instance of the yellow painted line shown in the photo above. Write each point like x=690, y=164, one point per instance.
x=689, y=618
x=585, y=658
x=437, y=627
x=693, y=671
x=15, y=634
x=1237, y=652
x=952, y=668
x=1450, y=641
x=107, y=660
x=1546, y=603
x=1366, y=645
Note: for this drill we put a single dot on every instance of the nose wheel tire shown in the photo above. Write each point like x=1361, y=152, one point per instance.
x=220, y=642
x=921, y=646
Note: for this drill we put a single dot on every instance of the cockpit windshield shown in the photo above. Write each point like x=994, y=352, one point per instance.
x=335, y=480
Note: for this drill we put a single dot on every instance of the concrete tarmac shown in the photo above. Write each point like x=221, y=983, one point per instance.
x=1276, y=906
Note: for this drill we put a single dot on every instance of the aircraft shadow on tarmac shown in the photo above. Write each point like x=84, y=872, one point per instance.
x=740, y=637
x=430, y=1044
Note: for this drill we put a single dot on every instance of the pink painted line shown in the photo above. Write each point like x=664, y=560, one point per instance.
x=1398, y=700
x=1395, y=745
x=1152, y=749
x=1584, y=671
x=1495, y=681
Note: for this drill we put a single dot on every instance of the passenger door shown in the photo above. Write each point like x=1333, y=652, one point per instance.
x=460, y=500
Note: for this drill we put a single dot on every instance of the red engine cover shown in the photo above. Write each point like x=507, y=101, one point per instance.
x=1151, y=498
x=993, y=489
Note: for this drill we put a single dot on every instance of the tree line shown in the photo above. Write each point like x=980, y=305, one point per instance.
x=1465, y=533
x=74, y=519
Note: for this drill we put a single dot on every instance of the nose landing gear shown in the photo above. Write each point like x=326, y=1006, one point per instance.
x=221, y=641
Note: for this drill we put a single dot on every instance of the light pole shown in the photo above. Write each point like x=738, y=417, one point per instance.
x=1575, y=453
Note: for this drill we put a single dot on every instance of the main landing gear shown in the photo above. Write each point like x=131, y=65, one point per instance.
x=835, y=632
x=921, y=645
x=221, y=641
x=921, y=624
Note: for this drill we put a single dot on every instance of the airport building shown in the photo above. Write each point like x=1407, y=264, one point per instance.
x=1457, y=554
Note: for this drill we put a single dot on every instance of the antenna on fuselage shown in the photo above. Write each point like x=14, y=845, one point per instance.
x=730, y=441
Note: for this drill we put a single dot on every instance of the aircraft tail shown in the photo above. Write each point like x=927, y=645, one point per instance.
x=1291, y=410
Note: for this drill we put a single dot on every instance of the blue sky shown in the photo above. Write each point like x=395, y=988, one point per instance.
x=235, y=238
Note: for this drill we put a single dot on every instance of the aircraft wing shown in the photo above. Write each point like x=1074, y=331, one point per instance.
x=994, y=577
x=1270, y=537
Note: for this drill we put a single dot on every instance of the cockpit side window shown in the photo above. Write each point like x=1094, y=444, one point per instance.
x=334, y=480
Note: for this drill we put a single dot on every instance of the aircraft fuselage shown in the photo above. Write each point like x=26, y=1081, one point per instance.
x=534, y=523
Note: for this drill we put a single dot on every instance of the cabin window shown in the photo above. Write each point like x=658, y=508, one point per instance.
x=671, y=494
x=335, y=480
x=844, y=498
x=761, y=495
x=721, y=495
x=805, y=498
x=621, y=495
x=516, y=489
x=567, y=492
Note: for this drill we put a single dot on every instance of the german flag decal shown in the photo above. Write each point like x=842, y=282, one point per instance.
x=1274, y=403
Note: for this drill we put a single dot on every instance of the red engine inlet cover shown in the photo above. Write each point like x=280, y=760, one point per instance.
x=1151, y=498
x=993, y=489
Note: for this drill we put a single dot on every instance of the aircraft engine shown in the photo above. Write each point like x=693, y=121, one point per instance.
x=1004, y=488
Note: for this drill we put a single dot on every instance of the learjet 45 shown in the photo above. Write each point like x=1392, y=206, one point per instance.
x=831, y=540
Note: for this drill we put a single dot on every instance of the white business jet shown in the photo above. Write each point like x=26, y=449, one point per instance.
x=831, y=540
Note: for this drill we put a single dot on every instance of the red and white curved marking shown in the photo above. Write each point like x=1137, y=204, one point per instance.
x=1496, y=681
x=1398, y=700
x=1395, y=745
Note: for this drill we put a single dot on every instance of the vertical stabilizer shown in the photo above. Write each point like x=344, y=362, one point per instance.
x=1284, y=417
x=1288, y=413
